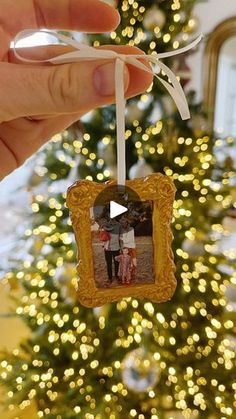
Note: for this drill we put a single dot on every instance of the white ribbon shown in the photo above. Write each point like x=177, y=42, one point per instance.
x=85, y=52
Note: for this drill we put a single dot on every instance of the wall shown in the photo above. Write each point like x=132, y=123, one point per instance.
x=225, y=110
x=210, y=13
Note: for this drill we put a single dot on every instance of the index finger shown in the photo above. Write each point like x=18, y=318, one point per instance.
x=92, y=16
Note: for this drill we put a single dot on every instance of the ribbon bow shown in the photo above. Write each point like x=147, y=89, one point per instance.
x=86, y=52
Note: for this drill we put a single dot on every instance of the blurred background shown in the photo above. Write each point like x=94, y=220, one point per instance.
x=130, y=359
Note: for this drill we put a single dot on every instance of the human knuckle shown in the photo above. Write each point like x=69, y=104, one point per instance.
x=64, y=87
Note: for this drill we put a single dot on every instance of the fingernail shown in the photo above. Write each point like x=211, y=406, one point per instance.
x=104, y=79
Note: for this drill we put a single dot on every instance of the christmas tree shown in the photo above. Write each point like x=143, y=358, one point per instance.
x=131, y=358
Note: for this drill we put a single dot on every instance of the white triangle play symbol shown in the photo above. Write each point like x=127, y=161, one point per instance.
x=116, y=209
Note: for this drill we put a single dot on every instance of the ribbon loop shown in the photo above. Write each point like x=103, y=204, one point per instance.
x=85, y=52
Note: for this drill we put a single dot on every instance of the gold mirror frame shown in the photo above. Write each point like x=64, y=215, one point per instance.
x=217, y=38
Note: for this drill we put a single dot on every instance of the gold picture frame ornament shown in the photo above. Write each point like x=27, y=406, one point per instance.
x=157, y=188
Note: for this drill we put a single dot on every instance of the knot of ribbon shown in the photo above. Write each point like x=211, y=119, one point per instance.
x=88, y=53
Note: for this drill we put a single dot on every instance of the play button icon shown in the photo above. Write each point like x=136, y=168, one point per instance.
x=116, y=209
x=115, y=204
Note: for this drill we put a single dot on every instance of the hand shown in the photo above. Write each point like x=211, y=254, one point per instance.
x=55, y=96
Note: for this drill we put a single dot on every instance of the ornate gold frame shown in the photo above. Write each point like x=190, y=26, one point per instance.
x=223, y=31
x=157, y=188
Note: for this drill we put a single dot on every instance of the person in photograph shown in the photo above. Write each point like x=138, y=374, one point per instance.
x=125, y=266
x=112, y=247
x=127, y=239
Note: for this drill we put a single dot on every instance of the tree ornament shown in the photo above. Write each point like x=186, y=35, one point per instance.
x=140, y=169
x=149, y=201
x=140, y=371
x=99, y=282
x=154, y=17
x=126, y=253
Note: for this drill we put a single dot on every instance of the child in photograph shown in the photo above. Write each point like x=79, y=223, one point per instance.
x=128, y=240
x=125, y=266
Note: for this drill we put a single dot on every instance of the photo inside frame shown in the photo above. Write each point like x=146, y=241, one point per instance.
x=123, y=253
